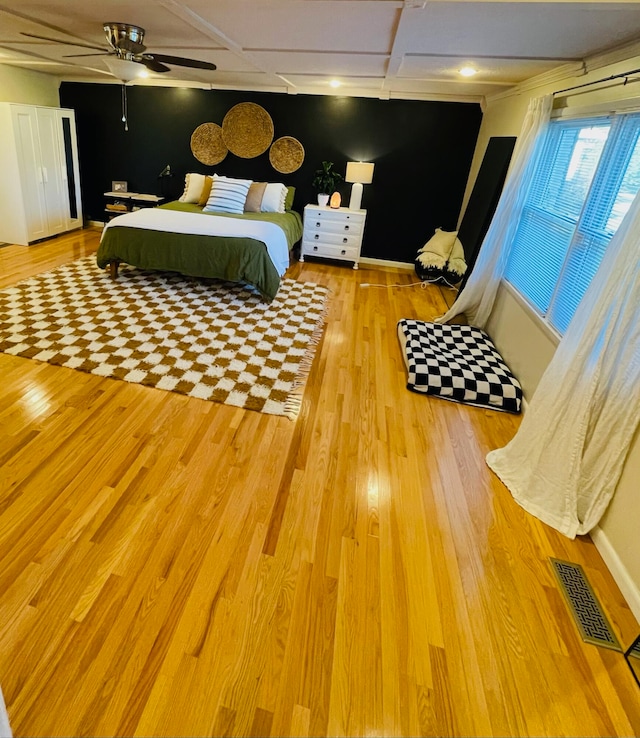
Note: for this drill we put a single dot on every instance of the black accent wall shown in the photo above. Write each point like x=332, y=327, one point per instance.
x=422, y=151
x=484, y=198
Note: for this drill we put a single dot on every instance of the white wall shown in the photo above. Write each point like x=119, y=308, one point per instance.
x=528, y=347
x=27, y=87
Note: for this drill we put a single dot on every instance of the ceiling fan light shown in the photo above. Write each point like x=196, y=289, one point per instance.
x=123, y=70
x=335, y=83
x=468, y=71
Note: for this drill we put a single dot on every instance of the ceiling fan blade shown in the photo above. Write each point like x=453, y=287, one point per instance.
x=180, y=61
x=78, y=56
x=153, y=64
x=59, y=41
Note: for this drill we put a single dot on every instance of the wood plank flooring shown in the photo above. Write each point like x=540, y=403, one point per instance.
x=175, y=567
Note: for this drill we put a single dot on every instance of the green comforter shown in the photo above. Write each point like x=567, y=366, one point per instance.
x=223, y=257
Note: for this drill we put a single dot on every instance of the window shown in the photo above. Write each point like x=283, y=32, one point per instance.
x=588, y=173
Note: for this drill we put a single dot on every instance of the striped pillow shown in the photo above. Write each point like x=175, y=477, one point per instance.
x=227, y=195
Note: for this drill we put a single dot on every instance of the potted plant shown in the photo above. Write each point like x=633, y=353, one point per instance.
x=325, y=182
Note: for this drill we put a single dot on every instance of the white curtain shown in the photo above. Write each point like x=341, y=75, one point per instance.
x=565, y=461
x=5, y=728
x=477, y=298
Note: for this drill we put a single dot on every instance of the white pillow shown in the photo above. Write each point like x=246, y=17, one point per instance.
x=228, y=195
x=441, y=243
x=193, y=184
x=273, y=198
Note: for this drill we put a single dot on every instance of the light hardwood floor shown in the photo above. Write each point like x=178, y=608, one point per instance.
x=175, y=567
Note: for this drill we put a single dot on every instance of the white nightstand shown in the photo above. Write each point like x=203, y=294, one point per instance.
x=333, y=233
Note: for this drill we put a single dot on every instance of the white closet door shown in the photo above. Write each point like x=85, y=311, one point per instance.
x=40, y=182
x=53, y=170
x=25, y=123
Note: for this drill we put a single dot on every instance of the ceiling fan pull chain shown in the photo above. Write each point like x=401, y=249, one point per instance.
x=124, y=107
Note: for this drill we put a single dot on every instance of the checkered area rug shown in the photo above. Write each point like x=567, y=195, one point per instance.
x=209, y=339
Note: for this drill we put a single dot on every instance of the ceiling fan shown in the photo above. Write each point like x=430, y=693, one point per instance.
x=126, y=42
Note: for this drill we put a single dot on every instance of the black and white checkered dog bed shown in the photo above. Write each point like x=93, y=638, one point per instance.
x=458, y=362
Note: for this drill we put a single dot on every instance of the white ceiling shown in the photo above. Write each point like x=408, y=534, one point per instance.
x=379, y=48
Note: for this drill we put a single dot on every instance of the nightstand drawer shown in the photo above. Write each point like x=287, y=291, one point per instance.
x=326, y=225
x=333, y=215
x=350, y=253
x=332, y=239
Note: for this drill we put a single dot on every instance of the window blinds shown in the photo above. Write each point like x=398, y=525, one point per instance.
x=587, y=176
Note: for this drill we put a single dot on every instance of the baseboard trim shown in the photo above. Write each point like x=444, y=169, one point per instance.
x=96, y=223
x=367, y=261
x=629, y=589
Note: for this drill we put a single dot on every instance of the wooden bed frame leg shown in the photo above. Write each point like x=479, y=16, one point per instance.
x=113, y=269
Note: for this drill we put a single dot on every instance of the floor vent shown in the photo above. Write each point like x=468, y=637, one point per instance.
x=635, y=650
x=587, y=612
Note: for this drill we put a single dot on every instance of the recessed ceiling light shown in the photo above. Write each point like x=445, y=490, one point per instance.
x=468, y=71
x=335, y=83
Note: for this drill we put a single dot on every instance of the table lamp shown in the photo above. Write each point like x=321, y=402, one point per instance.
x=358, y=172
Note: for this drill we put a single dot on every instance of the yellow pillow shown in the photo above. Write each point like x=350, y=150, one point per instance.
x=206, y=191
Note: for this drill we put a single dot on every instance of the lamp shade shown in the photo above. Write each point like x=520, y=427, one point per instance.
x=359, y=171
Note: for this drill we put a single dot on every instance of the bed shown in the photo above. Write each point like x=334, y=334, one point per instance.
x=180, y=236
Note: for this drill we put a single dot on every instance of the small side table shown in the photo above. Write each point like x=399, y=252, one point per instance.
x=333, y=233
x=117, y=203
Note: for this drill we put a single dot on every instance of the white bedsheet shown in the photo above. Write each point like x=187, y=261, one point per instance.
x=175, y=221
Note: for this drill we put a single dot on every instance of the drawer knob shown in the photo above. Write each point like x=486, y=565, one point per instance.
x=317, y=225
x=343, y=252
x=345, y=240
x=346, y=228
x=315, y=248
x=317, y=236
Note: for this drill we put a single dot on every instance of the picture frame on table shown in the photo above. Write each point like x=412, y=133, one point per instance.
x=118, y=186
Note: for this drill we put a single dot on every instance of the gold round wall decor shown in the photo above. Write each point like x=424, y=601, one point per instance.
x=247, y=130
x=207, y=144
x=286, y=154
